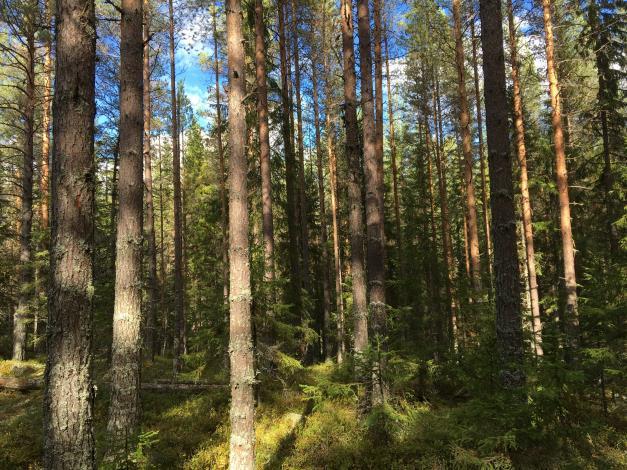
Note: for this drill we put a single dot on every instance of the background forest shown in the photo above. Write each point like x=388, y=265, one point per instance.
x=397, y=229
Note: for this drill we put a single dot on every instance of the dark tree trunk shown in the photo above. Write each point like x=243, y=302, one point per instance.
x=374, y=209
x=506, y=275
x=264, y=143
x=355, y=216
x=242, y=444
x=68, y=396
x=290, y=170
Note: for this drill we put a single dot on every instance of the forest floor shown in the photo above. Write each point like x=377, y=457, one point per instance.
x=308, y=420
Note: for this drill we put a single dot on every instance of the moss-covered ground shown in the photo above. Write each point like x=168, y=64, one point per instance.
x=310, y=420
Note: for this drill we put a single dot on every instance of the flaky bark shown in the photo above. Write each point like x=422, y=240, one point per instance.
x=506, y=274
x=242, y=441
x=356, y=228
x=68, y=396
x=44, y=168
x=179, y=307
x=127, y=310
x=568, y=244
x=521, y=153
x=464, y=124
x=374, y=208
x=264, y=142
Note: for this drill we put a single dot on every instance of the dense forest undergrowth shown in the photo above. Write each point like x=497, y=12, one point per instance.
x=310, y=419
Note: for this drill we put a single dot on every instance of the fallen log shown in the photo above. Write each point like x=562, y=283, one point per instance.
x=20, y=384
x=173, y=386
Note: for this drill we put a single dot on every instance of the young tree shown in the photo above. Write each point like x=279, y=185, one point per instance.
x=242, y=444
x=507, y=278
x=69, y=394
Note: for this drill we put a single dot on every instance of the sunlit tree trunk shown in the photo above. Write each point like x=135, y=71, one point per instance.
x=242, y=441
x=68, y=440
x=568, y=244
x=521, y=152
x=484, y=189
x=464, y=124
x=506, y=273
x=127, y=310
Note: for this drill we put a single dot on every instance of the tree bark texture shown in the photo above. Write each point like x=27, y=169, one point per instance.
x=506, y=273
x=242, y=440
x=68, y=396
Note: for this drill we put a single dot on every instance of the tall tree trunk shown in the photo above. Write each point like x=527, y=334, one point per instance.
x=127, y=311
x=164, y=311
x=484, y=189
x=149, y=227
x=22, y=312
x=464, y=124
x=378, y=89
x=506, y=274
x=242, y=443
x=397, y=210
x=44, y=169
x=374, y=209
x=264, y=143
x=568, y=248
x=355, y=216
x=221, y=168
x=521, y=153
x=302, y=194
x=178, y=208
x=69, y=393
x=333, y=183
x=447, y=244
x=326, y=291
x=290, y=169
x=601, y=42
